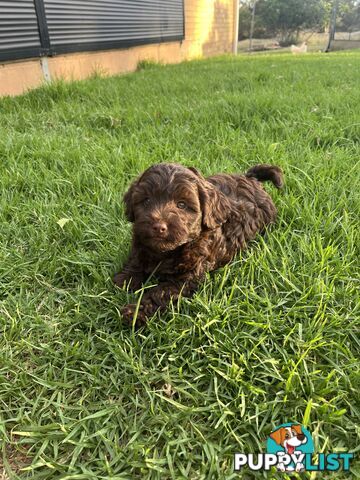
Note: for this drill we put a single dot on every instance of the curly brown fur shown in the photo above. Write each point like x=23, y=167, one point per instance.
x=185, y=225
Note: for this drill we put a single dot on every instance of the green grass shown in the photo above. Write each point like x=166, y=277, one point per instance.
x=273, y=337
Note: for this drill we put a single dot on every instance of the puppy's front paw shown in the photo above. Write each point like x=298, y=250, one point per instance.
x=122, y=280
x=128, y=313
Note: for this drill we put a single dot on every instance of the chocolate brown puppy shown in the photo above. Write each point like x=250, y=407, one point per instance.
x=185, y=225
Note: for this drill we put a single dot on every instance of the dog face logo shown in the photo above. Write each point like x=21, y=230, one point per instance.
x=290, y=442
x=289, y=437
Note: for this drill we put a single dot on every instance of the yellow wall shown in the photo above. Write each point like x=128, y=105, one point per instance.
x=209, y=30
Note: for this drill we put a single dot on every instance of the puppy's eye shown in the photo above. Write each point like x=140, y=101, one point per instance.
x=146, y=202
x=181, y=205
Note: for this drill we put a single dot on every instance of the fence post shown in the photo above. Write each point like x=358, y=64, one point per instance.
x=332, y=25
x=236, y=27
x=252, y=25
x=43, y=28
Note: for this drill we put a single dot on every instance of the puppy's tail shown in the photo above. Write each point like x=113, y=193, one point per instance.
x=267, y=172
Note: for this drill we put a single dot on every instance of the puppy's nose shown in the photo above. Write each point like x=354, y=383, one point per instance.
x=300, y=436
x=159, y=228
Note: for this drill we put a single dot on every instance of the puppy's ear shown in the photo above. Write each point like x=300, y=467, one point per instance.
x=214, y=205
x=128, y=200
x=196, y=171
x=277, y=436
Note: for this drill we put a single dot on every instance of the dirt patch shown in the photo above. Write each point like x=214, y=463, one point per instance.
x=17, y=458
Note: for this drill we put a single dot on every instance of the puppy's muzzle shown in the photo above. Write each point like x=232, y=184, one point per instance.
x=159, y=229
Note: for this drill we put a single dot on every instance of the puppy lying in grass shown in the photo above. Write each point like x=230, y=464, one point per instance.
x=185, y=225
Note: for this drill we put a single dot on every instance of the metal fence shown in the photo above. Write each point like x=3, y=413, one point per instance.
x=344, y=30
x=337, y=29
x=35, y=28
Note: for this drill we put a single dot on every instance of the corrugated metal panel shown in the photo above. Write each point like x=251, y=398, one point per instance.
x=82, y=24
x=30, y=28
x=19, y=32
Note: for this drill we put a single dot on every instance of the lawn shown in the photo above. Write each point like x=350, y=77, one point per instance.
x=273, y=337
